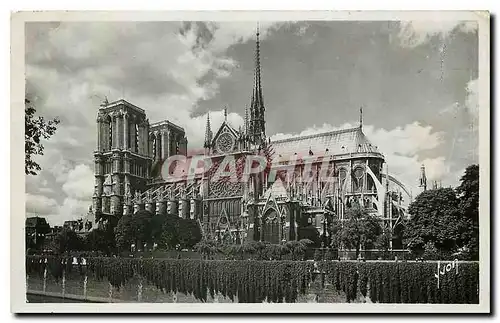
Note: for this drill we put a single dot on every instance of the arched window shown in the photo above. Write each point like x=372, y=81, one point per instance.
x=127, y=134
x=342, y=177
x=110, y=132
x=358, y=175
x=136, y=138
x=154, y=147
x=270, y=226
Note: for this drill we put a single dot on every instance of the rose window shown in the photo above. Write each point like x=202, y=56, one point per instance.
x=225, y=143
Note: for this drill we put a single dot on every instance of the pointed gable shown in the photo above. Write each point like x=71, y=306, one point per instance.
x=271, y=204
x=223, y=221
x=277, y=189
x=225, y=139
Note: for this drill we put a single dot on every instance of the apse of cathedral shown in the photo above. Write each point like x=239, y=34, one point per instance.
x=302, y=181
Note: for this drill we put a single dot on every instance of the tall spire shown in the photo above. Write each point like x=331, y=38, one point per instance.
x=208, y=133
x=257, y=109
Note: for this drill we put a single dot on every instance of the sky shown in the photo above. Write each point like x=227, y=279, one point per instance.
x=415, y=80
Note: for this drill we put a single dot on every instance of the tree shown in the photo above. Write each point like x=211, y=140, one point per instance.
x=188, y=233
x=157, y=225
x=276, y=251
x=431, y=252
x=359, y=229
x=468, y=192
x=331, y=254
x=36, y=129
x=318, y=254
x=260, y=249
x=234, y=251
x=435, y=218
x=383, y=241
x=310, y=232
x=100, y=240
x=133, y=229
x=242, y=251
x=124, y=232
x=207, y=248
x=170, y=231
x=298, y=248
x=141, y=227
x=67, y=240
x=167, y=238
x=468, y=196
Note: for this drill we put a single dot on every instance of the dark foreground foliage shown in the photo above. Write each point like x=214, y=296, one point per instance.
x=278, y=281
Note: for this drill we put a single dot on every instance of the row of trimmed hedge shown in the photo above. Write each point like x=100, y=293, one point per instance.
x=277, y=281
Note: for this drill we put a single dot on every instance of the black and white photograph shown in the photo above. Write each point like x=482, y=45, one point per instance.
x=338, y=161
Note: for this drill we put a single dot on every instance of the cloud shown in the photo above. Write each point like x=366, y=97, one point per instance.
x=417, y=32
x=75, y=194
x=79, y=183
x=70, y=209
x=405, y=149
x=407, y=141
x=37, y=205
x=226, y=34
x=470, y=107
x=165, y=68
x=56, y=213
x=472, y=100
x=465, y=137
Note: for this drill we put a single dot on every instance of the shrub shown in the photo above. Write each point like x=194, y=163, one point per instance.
x=318, y=254
x=67, y=240
x=100, y=240
x=255, y=281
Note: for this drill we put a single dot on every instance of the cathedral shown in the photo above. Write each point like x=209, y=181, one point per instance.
x=306, y=181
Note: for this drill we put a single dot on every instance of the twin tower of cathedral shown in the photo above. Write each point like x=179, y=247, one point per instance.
x=128, y=148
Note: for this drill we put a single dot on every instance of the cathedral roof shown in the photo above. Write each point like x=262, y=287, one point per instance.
x=338, y=142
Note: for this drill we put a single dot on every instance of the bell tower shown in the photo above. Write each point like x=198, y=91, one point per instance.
x=122, y=160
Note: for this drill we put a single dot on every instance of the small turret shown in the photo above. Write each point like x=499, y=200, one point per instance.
x=423, y=178
x=104, y=102
x=208, y=134
x=361, y=117
x=245, y=122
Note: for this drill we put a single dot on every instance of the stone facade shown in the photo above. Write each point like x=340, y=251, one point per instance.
x=125, y=155
x=133, y=172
